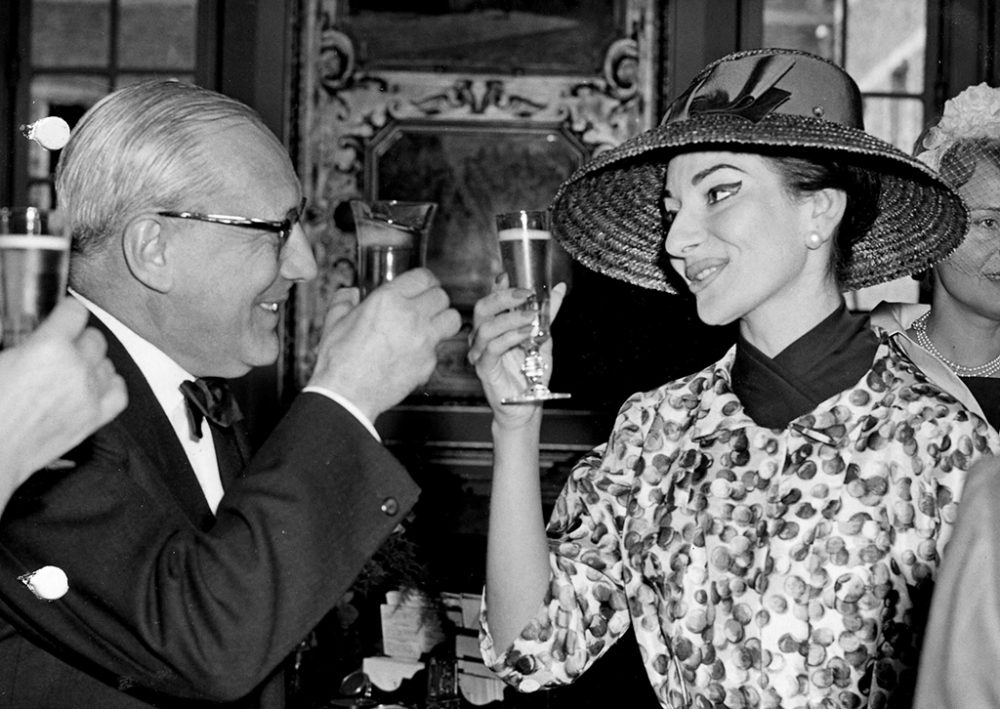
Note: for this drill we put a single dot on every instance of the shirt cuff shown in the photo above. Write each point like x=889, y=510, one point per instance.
x=346, y=403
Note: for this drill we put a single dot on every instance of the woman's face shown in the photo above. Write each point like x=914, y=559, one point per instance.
x=737, y=236
x=971, y=275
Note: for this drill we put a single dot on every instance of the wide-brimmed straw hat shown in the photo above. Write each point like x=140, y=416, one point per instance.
x=609, y=215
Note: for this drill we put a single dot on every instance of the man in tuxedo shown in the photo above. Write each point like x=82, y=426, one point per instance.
x=169, y=568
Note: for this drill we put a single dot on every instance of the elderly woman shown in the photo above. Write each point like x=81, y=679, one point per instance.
x=770, y=526
x=961, y=329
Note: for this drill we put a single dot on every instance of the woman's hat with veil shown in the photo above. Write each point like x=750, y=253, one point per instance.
x=609, y=214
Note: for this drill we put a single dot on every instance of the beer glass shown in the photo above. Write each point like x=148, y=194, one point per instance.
x=34, y=262
x=392, y=238
x=526, y=255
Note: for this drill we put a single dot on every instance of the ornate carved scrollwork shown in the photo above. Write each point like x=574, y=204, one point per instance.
x=621, y=69
x=478, y=96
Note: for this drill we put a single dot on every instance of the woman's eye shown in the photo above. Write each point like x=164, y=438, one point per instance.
x=986, y=219
x=720, y=192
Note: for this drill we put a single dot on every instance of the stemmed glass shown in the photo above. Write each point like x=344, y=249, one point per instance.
x=526, y=255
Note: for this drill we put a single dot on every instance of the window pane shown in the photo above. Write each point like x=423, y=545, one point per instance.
x=885, y=45
x=70, y=33
x=41, y=195
x=66, y=96
x=810, y=25
x=157, y=34
x=124, y=80
x=895, y=120
x=61, y=90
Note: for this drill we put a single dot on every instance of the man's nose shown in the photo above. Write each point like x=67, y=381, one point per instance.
x=297, y=260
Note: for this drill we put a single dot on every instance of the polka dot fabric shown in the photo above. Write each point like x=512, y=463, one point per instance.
x=759, y=567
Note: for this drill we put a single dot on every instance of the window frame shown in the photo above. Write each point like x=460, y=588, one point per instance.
x=16, y=79
x=963, y=43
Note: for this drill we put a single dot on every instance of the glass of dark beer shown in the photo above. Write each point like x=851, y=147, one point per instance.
x=526, y=251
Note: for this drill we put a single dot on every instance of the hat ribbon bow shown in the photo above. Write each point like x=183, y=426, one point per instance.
x=757, y=98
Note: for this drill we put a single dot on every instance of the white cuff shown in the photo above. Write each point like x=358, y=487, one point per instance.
x=346, y=403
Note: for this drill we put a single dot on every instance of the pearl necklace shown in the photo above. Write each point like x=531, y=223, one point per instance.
x=923, y=339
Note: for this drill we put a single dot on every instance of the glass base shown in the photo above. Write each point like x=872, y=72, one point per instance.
x=532, y=396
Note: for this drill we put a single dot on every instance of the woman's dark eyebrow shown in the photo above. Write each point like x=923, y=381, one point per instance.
x=709, y=170
x=698, y=177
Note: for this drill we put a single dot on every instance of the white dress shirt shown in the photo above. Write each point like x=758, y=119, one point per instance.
x=165, y=377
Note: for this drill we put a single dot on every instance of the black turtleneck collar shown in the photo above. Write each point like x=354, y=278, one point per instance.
x=827, y=360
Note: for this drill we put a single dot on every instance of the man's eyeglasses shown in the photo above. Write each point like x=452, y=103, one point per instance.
x=283, y=228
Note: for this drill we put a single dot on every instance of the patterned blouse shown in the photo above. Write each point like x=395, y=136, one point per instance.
x=758, y=567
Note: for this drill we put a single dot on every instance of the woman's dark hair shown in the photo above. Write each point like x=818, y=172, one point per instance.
x=803, y=175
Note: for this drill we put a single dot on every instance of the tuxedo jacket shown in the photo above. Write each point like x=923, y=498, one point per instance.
x=168, y=605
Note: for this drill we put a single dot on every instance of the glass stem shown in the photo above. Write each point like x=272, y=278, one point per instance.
x=533, y=367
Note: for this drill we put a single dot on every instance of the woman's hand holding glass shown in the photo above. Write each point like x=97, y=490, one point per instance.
x=500, y=329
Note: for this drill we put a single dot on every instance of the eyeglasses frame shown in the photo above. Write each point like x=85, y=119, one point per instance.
x=283, y=228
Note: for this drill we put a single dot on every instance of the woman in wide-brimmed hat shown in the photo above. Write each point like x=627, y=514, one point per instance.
x=770, y=526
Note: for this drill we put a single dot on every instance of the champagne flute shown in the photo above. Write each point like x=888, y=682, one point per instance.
x=526, y=255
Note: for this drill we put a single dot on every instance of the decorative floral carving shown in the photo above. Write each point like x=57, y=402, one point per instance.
x=335, y=64
x=466, y=93
x=621, y=69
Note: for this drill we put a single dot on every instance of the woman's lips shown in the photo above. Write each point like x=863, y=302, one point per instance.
x=702, y=272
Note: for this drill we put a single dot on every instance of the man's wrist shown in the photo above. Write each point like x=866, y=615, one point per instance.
x=351, y=407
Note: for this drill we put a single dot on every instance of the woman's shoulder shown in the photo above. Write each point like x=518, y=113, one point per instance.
x=679, y=399
x=896, y=317
x=939, y=409
x=923, y=374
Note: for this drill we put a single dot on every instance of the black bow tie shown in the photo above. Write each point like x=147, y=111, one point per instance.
x=210, y=398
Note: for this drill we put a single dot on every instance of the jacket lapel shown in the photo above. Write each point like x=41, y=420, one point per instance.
x=147, y=424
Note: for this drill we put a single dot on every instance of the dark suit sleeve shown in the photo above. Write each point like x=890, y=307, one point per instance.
x=155, y=603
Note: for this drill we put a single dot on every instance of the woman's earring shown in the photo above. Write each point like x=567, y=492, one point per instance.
x=813, y=240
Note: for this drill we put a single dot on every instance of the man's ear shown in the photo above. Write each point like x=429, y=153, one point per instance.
x=827, y=207
x=145, y=247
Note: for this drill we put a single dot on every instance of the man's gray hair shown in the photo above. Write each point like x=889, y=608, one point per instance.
x=141, y=149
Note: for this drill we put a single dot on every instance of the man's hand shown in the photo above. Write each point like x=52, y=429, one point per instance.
x=56, y=388
x=377, y=351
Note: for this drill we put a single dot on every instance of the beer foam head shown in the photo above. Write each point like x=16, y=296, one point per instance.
x=518, y=233
x=376, y=232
